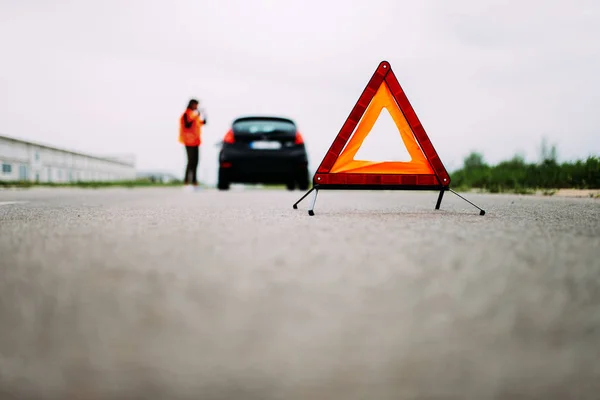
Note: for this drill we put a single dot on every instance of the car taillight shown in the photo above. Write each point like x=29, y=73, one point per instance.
x=299, y=138
x=229, y=138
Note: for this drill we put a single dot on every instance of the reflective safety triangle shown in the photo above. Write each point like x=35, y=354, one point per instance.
x=340, y=166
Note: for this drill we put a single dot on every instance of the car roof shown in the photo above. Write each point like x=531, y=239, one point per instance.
x=263, y=118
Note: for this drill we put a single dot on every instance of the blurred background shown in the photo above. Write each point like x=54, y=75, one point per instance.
x=156, y=294
x=113, y=77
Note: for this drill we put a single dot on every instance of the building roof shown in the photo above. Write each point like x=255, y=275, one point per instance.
x=111, y=159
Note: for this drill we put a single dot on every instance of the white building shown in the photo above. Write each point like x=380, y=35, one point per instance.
x=21, y=160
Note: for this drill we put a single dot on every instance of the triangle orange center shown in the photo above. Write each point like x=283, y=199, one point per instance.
x=346, y=162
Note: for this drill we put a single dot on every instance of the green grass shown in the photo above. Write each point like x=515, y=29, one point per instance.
x=273, y=186
x=138, y=183
x=89, y=185
x=517, y=176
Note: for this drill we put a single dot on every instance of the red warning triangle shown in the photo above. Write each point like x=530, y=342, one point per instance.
x=340, y=169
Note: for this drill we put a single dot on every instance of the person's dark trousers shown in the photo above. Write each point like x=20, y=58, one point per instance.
x=193, y=155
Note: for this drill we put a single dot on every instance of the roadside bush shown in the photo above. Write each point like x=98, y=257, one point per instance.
x=516, y=175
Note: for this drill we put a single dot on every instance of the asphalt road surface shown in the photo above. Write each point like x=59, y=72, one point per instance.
x=160, y=294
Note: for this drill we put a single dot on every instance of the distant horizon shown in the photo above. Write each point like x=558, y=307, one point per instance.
x=312, y=170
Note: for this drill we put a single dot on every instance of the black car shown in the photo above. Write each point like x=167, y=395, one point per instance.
x=266, y=150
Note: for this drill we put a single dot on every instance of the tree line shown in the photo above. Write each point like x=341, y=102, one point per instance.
x=518, y=175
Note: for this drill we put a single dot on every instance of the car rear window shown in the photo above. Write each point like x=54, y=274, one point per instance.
x=259, y=126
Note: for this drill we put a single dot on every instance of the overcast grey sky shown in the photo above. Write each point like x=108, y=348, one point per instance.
x=113, y=76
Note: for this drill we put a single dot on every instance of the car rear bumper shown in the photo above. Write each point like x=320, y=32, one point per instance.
x=263, y=166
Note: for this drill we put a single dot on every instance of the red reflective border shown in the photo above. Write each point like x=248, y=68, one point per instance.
x=383, y=75
x=417, y=127
x=375, y=179
x=355, y=115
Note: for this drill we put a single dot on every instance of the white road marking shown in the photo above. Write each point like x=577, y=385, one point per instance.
x=7, y=203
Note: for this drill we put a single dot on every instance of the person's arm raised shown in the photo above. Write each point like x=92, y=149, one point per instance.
x=186, y=121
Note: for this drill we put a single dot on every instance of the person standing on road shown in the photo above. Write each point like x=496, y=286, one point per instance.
x=190, y=135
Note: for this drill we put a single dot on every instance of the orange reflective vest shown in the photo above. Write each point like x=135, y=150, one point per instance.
x=190, y=128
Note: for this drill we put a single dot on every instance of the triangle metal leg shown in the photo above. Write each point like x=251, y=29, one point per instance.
x=302, y=198
x=311, y=210
x=439, y=200
x=481, y=210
